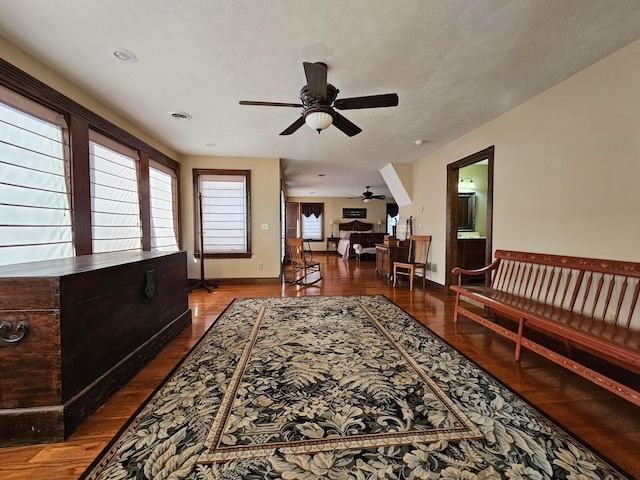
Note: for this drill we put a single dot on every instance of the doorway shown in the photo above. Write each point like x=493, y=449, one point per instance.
x=469, y=213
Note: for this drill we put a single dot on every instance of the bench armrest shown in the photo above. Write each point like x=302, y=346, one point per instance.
x=480, y=271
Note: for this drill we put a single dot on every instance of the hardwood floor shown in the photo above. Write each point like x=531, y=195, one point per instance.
x=606, y=422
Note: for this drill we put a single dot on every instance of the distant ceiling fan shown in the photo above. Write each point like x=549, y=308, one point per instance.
x=368, y=195
x=319, y=103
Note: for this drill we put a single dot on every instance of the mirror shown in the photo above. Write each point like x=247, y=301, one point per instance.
x=466, y=211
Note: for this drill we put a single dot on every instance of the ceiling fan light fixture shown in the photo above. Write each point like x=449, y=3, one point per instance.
x=318, y=120
x=366, y=200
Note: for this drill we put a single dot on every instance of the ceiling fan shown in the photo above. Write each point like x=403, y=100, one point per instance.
x=368, y=195
x=319, y=103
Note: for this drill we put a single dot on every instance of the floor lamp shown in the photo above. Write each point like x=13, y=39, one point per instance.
x=201, y=284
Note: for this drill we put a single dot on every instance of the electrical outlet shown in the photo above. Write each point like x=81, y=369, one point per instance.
x=610, y=317
x=260, y=266
x=265, y=226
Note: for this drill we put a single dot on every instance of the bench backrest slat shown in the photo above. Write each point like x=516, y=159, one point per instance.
x=544, y=276
x=600, y=289
x=609, y=294
x=512, y=267
x=569, y=277
x=625, y=284
x=535, y=281
x=597, y=297
x=587, y=291
x=634, y=304
x=574, y=296
x=549, y=285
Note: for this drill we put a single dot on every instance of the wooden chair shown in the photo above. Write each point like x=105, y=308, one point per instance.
x=302, y=266
x=417, y=261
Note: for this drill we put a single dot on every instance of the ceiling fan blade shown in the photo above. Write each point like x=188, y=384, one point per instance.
x=293, y=127
x=344, y=125
x=372, y=101
x=316, y=74
x=270, y=104
x=379, y=197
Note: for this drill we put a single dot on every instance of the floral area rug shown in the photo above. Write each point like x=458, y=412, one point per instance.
x=337, y=388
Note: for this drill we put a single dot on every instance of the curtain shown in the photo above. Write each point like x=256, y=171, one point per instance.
x=315, y=209
x=392, y=209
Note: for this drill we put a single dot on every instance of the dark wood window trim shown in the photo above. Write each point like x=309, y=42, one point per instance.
x=81, y=184
x=196, y=221
x=80, y=121
x=145, y=200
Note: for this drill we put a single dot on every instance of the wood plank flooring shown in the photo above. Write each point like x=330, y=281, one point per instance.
x=606, y=422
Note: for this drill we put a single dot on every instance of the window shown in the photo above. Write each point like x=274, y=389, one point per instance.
x=35, y=206
x=224, y=196
x=115, y=202
x=393, y=217
x=164, y=208
x=312, y=221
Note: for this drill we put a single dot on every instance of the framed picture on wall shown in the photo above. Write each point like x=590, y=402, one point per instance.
x=354, y=213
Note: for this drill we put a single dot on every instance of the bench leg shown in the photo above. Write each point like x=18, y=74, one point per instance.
x=569, y=348
x=519, y=339
x=490, y=313
x=455, y=311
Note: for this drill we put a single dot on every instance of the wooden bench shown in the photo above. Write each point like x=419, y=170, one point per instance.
x=586, y=303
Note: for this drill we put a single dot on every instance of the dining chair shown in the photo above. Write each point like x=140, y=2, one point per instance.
x=416, y=262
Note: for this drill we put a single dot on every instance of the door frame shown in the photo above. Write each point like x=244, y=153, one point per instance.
x=452, y=210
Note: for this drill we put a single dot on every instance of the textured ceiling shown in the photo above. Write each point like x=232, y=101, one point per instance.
x=455, y=64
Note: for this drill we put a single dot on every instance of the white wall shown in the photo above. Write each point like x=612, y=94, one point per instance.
x=567, y=166
x=265, y=209
x=479, y=175
x=33, y=67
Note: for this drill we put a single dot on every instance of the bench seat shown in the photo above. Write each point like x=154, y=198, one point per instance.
x=619, y=342
x=588, y=304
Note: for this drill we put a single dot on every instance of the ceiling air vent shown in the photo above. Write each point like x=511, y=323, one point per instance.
x=180, y=115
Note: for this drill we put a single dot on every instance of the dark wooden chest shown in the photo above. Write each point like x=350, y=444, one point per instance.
x=93, y=322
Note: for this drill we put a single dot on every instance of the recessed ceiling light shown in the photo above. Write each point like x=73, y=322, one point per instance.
x=124, y=55
x=211, y=144
x=180, y=115
x=418, y=142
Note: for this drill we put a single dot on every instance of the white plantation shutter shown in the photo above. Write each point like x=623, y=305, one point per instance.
x=164, y=207
x=224, y=210
x=311, y=227
x=35, y=211
x=115, y=201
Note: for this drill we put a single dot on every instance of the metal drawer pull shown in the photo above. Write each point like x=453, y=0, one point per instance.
x=21, y=330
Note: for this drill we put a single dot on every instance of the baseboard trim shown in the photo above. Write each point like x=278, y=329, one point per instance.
x=436, y=286
x=237, y=281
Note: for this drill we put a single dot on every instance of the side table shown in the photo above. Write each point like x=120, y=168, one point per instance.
x=332, y=244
